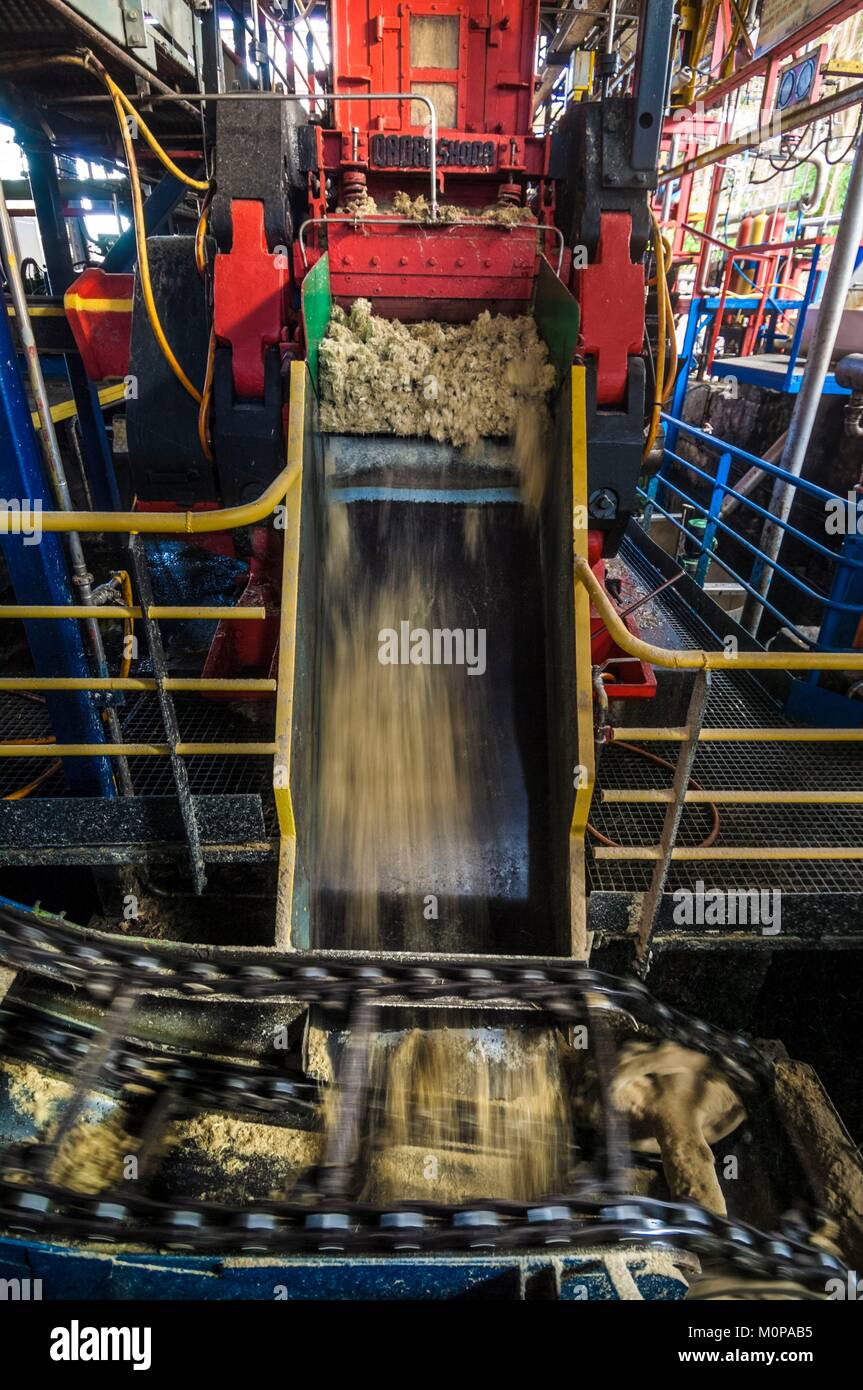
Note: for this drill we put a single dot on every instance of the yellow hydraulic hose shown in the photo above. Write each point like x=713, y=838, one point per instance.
x=122, y=104
x=662, y=303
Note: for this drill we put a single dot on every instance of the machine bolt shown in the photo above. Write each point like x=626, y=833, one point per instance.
x=403, y=260
x=346, y=260
x=432, y=260
x=603, y=504
x=375, y=260
x=459, y=260
x=487, y=263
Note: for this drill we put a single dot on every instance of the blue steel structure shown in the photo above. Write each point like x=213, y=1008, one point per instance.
x=68, y=1272
x=39, y=574
x=776, y=373
x=45, y=187
x=841, y=607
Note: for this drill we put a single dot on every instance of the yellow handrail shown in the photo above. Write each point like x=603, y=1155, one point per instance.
x=680, y=734
x=138, y=683
x=695, y=658
x=133, y=750
x=14, y=521
x=109, y=611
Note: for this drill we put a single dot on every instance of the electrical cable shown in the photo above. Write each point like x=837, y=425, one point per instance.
x=662, y=302
x=713, y=833
x=206, y=395
x=122, y=107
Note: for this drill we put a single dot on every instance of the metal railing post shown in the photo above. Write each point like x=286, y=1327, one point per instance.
x=723, y=468
x=169, y=714
x=671, y=823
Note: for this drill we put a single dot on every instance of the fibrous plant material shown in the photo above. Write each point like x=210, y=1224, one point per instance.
x=499, y=214
x=455, y=383
x=234, y=1143
x=461, y=1113
x=678, y=1103
x=403, y=780
x=360, y=204
x=34, y=1092
x=92, y=1155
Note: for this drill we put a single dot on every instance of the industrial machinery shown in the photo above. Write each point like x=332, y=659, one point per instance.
x=222, y=1088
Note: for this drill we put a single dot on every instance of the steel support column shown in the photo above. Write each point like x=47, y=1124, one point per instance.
x=846, y=251
x=48, y=203
x=39, y=575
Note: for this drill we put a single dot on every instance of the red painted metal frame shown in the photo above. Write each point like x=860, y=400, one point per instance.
x=386, y=261
x=249, y=298
x=102, y=333
x=766, y=64
x=610, y=292
x=496, y=55
x=771, y=256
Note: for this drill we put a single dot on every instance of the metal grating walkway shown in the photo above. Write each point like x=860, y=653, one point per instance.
x=735, y=701
x=201, y=721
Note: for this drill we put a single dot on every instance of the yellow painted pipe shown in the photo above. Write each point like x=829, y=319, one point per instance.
x=159, y=612
x=134, y=750
x=695, y=659
x=680, y=734
x=153, y=523
x=703, y=797
x=730, y=853
x=136, y=683
x=67, y=410
x=109, y=611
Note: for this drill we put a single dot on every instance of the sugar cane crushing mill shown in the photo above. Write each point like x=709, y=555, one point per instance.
x=417, y=1076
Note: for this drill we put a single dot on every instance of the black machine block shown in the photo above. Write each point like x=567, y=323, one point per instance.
x=257, y=158
x=591, y=157
x=248, y=439
x=165, y=456
x=614, y=455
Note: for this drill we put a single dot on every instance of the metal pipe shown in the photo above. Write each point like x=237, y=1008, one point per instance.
x=155, y=523
x=56, y=472
x=611, y=15
x=827, y=106
x=109, y=611
x=830, y=310
x=121, y=55
x=609, y=50
x=695, y=659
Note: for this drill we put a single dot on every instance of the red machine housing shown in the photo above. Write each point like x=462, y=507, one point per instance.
x=475, y=60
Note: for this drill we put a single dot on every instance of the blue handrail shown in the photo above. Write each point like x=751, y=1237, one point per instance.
x=738, y=579
x=721, y=486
